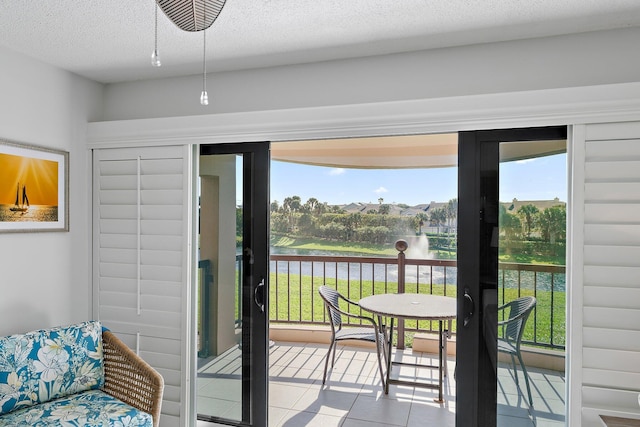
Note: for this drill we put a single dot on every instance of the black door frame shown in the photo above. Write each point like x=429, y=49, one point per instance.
x=478, y=180
x=255, y=284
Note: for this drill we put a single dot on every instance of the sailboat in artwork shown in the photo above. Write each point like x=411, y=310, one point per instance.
x=21, y=206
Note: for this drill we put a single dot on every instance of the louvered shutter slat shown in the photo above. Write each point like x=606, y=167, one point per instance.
x=610, y=372
x=139, y=256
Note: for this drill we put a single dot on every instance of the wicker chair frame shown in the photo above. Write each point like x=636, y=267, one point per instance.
x=131, y=379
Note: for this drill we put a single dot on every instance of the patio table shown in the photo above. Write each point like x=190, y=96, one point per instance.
x=412, y=306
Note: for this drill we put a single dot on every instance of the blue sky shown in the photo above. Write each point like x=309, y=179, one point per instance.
x=534, y=179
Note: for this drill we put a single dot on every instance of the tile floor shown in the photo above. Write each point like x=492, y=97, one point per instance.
x=353, y=397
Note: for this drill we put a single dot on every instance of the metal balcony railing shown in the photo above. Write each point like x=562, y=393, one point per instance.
x=295, y=278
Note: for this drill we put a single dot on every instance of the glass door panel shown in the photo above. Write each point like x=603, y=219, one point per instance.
x=532, y=259
x=484, y=270
x=233, y=260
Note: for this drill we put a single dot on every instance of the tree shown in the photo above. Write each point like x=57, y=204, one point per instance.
x=306, y=224
x=553, y=223
x=353, y=222
x=312, y=204
x=438, y=217
x=528, y=214
x=239, y=221
x=291, y=205
x=509, y=223
x=279, y=222
x=322, y=208
x=385, y=209
x=451, y=211
x=420, y=220
x=275, y=206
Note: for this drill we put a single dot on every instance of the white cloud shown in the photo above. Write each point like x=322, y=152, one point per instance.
x=380, y=190
x=336, y=171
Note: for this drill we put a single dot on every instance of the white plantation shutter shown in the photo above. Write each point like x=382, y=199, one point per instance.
x=140, y=271
x=610, y=357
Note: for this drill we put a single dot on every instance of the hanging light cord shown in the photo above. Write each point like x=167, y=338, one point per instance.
x=155, y=58
x=204, y=60
x=156, y=35
x=204, y=97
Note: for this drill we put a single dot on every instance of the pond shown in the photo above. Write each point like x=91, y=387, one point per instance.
x=413, y=274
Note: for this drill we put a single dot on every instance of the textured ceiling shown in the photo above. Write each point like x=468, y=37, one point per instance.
x=112, y=40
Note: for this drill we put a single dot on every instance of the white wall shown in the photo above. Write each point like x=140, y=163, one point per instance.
x=588, y=59
x=44, y=277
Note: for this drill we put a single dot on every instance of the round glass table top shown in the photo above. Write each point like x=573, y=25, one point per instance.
x=411, y=306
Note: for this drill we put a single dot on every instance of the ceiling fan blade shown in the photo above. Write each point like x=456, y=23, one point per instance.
x=192, y=15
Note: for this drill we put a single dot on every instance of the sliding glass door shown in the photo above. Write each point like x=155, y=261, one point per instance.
x=232, y=287
x=479, y=236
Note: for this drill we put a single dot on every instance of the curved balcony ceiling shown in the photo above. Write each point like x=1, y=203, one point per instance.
x=413, y=151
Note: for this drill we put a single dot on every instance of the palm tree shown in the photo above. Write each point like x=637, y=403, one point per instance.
x=321, y=208
x=451, y=211
x=291, y=205
x=438, y=217
x=312, y=204
x=421, y=218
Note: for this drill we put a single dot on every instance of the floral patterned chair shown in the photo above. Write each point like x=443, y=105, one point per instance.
x=76, y=375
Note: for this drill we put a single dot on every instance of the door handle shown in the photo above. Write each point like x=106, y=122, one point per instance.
x=468, y=308
x=258, y=295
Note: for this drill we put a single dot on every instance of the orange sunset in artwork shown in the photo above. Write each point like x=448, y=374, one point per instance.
x=28, y=185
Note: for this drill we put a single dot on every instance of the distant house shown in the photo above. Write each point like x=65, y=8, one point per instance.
x=428, y=208
x=365, y=208
x=515, y=204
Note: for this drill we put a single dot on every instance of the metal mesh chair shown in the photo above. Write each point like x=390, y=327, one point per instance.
x=372, y=334
x=510, y=333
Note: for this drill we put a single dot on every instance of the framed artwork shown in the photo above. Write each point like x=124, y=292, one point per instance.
x=34, y=188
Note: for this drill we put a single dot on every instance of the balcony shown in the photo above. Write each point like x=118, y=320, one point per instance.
x=353, y=396
x=295, y=303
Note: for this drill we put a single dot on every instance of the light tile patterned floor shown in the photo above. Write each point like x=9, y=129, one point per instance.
x=353, y=397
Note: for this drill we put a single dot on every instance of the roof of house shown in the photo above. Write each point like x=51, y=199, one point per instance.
x=516, y=204
x=395, y=209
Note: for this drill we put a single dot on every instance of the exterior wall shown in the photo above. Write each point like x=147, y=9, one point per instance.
x=45, y=276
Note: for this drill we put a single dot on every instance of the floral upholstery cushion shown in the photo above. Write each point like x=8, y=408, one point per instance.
x=91, y=408
x=43, y=365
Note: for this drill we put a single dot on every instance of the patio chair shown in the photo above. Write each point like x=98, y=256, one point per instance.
x=510, y=333
x=372, y=334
